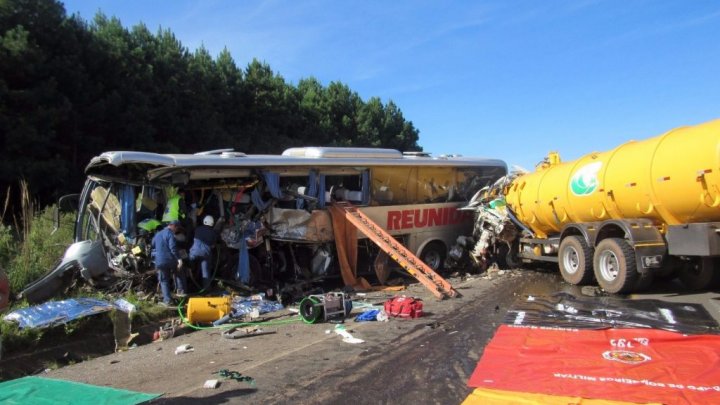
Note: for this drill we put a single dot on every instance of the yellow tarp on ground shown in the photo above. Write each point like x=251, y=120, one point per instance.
x=486, y=396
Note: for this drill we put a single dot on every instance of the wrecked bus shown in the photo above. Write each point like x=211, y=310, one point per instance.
x=269, y=209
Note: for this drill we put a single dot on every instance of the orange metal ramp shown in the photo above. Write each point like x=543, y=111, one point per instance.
x=440, y=287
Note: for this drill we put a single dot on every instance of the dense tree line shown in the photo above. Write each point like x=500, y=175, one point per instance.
x=70, y=89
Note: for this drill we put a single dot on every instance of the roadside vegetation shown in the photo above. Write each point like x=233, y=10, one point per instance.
x=30, y=246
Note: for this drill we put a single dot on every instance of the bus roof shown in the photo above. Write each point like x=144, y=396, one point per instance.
x=123, y=164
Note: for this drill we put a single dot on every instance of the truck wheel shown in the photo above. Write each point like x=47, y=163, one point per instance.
x=575, y=260
x=433, y=254
x=615, y=267
x=701, y=274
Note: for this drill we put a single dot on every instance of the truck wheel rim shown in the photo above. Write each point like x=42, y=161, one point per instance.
x=571, y=260
x=609, y=265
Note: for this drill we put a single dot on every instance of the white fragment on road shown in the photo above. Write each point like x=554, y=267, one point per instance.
x=347, y=337
x=184, y=349
x=211, y=384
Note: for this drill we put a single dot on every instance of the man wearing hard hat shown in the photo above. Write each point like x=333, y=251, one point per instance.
x=201, y=250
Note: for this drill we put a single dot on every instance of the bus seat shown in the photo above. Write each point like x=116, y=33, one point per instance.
x=384, y=195
x=348, y=195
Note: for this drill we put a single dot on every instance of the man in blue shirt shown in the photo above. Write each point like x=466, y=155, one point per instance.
x=168, y=261
x=201, y=250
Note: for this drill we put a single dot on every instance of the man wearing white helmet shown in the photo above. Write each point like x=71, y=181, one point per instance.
x=201, y=250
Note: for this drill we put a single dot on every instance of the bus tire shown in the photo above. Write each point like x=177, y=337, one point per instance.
x=575, y=259
x=433, y=255
x=615, y=266
x=700, y=274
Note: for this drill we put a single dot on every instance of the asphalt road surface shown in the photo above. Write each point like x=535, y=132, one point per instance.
x=422, y=361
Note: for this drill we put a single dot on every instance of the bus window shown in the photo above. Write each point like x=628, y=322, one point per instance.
x=470, y=180
x=436, y=184
x=347, y=185
x=394, y=185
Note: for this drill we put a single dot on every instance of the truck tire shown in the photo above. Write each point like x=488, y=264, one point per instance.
x=575, y=260
x=615, y=267
x=701, y=274
x=433, y=254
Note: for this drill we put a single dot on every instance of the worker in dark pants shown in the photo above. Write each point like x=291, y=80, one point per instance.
x=201, y=250
x=168, y=261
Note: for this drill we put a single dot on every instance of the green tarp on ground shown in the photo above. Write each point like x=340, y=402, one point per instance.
x=38, y=390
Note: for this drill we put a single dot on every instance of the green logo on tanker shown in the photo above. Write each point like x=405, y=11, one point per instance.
x=585, y=181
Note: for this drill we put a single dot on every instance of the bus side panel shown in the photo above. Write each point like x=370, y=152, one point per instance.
x=423, y=222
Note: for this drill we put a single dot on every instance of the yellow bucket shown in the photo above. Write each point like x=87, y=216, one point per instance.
x=208, y=309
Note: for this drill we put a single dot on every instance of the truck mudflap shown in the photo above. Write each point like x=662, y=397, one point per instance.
x=644, y=237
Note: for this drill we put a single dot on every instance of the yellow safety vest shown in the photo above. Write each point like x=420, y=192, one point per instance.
x=172, y=209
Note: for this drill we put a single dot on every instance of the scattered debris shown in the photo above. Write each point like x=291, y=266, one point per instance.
x=369, y=315
x=186, y=348
x=165, y=332
x=234, y=375
x=258, y=303
x=347, y=337
x=591, y=291
x=404, y=307
x=54, y=313
x=332, y=306
x=238, y=333
x=212, y=384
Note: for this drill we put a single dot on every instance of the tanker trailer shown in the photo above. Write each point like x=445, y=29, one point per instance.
x=619, y=217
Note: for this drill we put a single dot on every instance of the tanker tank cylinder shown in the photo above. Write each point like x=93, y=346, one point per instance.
x=671, y=179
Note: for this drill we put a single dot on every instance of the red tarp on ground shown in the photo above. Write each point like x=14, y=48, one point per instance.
x=486, y=396
x=637, y=365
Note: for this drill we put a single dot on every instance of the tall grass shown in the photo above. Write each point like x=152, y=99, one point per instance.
x=29, y=247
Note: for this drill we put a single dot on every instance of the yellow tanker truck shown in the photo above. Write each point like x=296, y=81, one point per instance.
x=620, y=217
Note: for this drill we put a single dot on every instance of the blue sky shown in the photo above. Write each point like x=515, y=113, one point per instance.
x=502, y=79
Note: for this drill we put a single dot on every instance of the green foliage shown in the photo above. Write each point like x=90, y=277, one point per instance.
x=27, y=258
x=14, y=338
x=71, y=89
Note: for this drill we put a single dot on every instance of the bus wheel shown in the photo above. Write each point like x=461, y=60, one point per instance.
x=615, y=267
x=433, y=254
x=700, y=274
x=575, y=260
